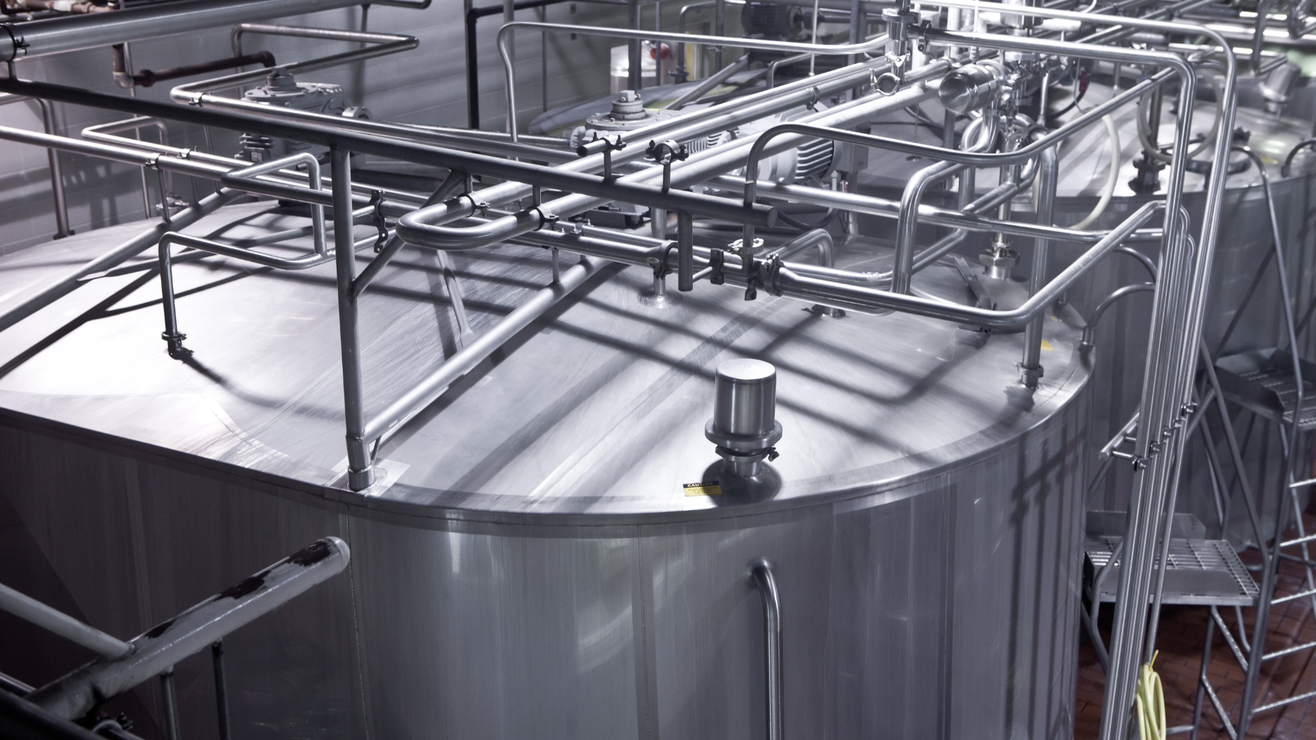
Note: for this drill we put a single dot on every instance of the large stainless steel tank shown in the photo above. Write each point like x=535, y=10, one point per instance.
x=536, y=567
x=1245, y=241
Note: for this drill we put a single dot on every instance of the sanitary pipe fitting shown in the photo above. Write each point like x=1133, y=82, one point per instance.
x=744, y=425
x=971, y=87
x=999, y=260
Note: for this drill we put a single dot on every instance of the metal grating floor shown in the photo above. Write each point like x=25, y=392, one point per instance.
x=1200, y=572
x=1182, y=629
x=1281, y=383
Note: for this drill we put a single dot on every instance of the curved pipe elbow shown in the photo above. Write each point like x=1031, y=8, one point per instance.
x=425, y=227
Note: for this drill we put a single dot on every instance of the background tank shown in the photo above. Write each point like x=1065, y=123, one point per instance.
x=534, y=565
x=1119, y=357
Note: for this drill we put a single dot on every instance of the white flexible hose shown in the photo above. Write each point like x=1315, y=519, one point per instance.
x=1144, y=128
x=1149, y=703
x=1112, y=177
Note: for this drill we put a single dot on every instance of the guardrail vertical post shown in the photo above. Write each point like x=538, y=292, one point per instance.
x=1048, y=174
x=360, y=473
x=221, y=689
x=170, y=702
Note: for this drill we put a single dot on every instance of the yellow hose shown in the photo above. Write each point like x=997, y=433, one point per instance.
x=1149, y=703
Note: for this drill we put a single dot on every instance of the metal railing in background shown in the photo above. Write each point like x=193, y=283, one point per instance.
x=52, y=157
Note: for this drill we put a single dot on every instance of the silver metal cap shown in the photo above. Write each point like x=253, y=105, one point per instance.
x=744, y=425
x=745, y=398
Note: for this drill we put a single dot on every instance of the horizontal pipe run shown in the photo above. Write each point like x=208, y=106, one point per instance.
x=428, y=226
x=196, y=163
x=792, y=282
x=52, y=159
x=873, y=44
x=238, y=79
x=866, y=299
x=481, y=145
x=68, y=282
x=29, y=609
x=324, y=34
x=958, y=156
x=73, y=33
x=883, y=207
x=556, y=178
x=247, y=255
x=474, y=353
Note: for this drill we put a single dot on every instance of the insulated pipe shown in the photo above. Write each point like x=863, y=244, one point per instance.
x=72, y=33
x=29, y=609
x=194, y=630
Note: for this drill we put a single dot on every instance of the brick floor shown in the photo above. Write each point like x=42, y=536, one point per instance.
x=1180, y=638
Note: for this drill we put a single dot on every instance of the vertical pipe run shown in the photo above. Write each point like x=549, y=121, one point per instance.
x=719, y=29
x=360, y=473
x=56, y=174
x=1045, y=187
x=685, y=252
x=763, y=580
x=907, y=224
x=472, y=67
x=170, y=702
x=221, y=689
x=634, y=76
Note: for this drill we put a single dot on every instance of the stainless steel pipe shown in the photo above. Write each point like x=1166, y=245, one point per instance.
x=29, y=609
x=75, y=32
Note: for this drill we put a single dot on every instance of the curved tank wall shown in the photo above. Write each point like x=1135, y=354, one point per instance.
x=536, y=568
x=1120, y=355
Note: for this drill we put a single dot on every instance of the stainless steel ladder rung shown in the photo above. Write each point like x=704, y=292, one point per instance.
x=1289, y=651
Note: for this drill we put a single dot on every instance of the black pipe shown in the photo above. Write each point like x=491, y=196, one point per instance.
x=147, y=77
x=473, y=15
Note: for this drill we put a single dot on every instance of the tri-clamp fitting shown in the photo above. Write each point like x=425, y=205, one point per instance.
x=744, y=425
x=664, y=153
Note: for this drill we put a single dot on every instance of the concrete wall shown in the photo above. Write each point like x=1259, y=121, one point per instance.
x=426, y=85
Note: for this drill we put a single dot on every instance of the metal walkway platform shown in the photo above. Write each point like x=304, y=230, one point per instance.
x=1263, y=381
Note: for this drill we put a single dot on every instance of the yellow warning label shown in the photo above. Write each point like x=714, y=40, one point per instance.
x=1046, y=344
x=702, y=489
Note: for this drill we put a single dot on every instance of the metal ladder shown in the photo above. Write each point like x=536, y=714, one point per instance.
x=1275, y=385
